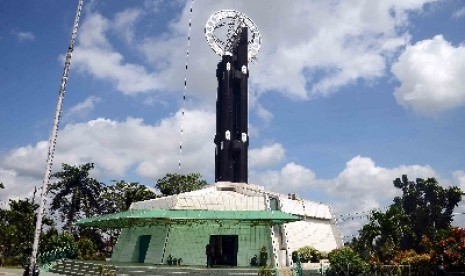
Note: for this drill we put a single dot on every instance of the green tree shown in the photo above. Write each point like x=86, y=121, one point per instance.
x=427, y=207
x=119, y=196
x=17, y=226
x=175, y=183
x=381, y=236
x=75, y=193
x=414, y=221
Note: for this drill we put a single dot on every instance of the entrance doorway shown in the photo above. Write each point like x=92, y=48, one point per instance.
x=225, y=249
x=142, y=246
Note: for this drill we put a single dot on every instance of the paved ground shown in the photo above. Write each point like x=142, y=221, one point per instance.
x=19, y=272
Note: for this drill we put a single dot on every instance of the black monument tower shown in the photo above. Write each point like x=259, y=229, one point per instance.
x=232, y=138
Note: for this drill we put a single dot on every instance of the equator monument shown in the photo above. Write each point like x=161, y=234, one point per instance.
x=236, y=218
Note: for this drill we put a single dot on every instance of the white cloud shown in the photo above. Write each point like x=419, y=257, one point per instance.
x=313, y=49
x=119, y=148
x=125, y=22
x=370, y=184
x=291, y=178
x=147, y=152
x=263, y=113
x=128, y=78
x=27, y=161
x=266, y=156
x=17, y=186
x=297, y=176
x=430, y=75
x=92, y=31
x=360, y=186
x=316, y=47
x=83, y=108
x=94, y=55
x=459, y=13
x=459, y=178
x=152, y=100
x=153, y=5
x=364, y=186
x=24, y=36
x=151, y=149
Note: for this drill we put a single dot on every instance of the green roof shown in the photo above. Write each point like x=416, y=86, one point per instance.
x=145, y=217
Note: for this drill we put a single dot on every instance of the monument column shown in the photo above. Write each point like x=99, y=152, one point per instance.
x=232, y=137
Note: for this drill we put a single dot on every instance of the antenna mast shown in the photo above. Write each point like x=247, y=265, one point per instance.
x=53, y=140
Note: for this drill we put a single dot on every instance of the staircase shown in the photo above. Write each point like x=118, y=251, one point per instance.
x=76, y=267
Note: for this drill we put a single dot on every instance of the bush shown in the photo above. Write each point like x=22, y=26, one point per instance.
x=450, y=251
x=344, y=258
x=86, y=249
x=11, y=261
x=266, y=271
x=51, y=242
x=420, y=264
x=310, y=254
x=106, y=271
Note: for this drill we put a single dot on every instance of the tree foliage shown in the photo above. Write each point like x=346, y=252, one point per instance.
x=119, y=196
x=427, y=207
x=52, y=239
x=381, y=236
x=451, y=250
x=175, y=183
x=414, y=221
x=17, y=226
x=419, y=264
x=75, y=193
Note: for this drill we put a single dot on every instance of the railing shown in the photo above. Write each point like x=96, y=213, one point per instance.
x=49, y=257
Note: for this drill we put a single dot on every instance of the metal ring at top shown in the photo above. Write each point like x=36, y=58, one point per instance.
x=231, y=22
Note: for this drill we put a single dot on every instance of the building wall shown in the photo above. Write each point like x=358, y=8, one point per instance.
x=127, y=250
x=317, y=227
x=188, y=242
x=310, y=232
x=305, y=208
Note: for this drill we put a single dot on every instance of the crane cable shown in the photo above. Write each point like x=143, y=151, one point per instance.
x=53, y=139
x=183, y=105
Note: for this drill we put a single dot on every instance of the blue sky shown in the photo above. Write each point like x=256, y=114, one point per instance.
x=345, y=95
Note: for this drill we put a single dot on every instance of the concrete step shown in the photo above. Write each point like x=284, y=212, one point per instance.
x=72, y=267
x=75, y=267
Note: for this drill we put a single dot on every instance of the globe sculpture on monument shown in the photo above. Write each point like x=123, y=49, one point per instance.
x=238, y=221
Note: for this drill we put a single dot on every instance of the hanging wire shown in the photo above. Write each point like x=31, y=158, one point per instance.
x=183, y=104
x=359, y=215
